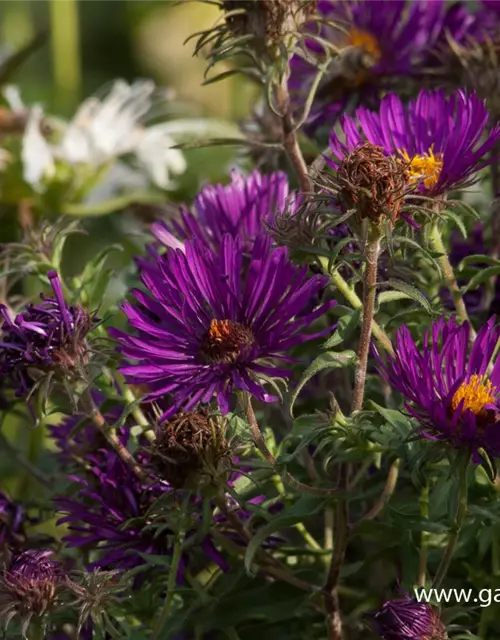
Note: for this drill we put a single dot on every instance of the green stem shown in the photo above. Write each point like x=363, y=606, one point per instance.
x=172, y=577
x=64, y=21
x=353, y=299
x=369, y=296
x=424, y=537
x=449, y=275
x=461, y=512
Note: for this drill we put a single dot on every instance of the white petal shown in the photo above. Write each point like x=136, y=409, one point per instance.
x=155, y=153
x=37, y=157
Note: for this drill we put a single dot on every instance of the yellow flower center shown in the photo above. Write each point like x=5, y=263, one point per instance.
x=367, y=42
x=425, y=168
x=476, y=394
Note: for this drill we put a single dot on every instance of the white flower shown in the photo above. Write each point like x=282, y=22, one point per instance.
x=106, y=129
x=36, y=154
x=154, y=151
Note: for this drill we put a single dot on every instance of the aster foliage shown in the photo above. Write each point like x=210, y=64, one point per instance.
x=250, y=374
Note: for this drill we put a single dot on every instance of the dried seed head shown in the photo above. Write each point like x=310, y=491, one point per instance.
x=191, y=451
x=372, y=184
x=269, y=21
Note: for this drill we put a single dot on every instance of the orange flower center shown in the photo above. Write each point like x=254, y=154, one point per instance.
x=367, y=42
x=476, y=393
x=225, y=340
x=425, y=168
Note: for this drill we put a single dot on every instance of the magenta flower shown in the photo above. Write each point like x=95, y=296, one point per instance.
x=207, y=326
x=439, y=136
x=450, y=387
x=240, y=208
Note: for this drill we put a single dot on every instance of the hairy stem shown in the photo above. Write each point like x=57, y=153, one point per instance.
x=461, y=512
x=369, y=295
x=290, y=141
x=449, y=275
x=100, y=421
x=353, y=299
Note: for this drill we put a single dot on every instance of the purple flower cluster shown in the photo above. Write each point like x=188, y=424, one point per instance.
x=450, y=387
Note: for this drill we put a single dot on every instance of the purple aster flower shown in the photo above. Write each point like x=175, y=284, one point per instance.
x=46, y=337
x=448, y=385
x=407, y=619
x=240, y=208
x=205, y=326
x=439, y=136
x=29, y=587
x=379, y=40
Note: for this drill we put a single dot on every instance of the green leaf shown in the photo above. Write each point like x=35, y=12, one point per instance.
x=303, y=508
x=395, y=418
x=345, y=328
x=456, y=219
x=487, y=465
x=412, y=292
x=329, y=360
x=480, y=277
x=476, y=259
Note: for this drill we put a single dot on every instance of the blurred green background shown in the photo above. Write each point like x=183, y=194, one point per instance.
x=90, y=42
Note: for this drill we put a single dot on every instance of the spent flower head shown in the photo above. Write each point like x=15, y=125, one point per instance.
x=191, y=451
x=372, y=184
x=208, y=326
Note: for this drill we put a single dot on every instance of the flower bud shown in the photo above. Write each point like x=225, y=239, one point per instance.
x=407, y=619
x=29, y=587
